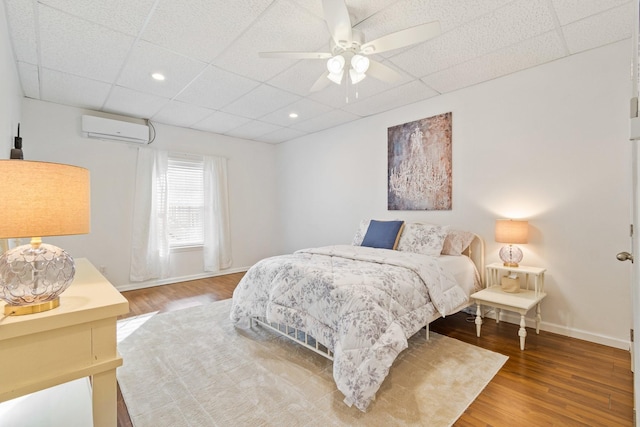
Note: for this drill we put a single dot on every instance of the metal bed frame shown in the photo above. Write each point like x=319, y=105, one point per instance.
x=296, y=335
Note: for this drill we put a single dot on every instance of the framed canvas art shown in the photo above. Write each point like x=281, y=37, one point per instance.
x=419, y=164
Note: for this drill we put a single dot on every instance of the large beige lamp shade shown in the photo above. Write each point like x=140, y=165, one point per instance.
x=39, y=199
x=511, y=231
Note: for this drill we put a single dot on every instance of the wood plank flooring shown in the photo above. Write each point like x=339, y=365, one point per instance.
x=556, y=381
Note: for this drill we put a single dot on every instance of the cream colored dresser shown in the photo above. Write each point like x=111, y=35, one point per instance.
x=75, y=340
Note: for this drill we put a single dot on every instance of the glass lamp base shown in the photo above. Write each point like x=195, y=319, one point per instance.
x=32, y=277
x=510, y=255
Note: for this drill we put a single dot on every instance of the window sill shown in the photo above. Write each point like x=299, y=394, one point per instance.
x=186, y=248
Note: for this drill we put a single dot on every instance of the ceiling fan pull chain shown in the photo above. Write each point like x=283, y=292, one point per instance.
x=346, y=90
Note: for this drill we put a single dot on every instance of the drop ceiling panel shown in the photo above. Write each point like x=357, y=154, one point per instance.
x=180, y=114
x=328, y=120
x=215, y=88
x=260, y=102
x=403, y=95
x=572, y=10
x=125, y=16
x=201, y=29
x=607, y=27
x=22, y=28
x=67, y=89
x=72, y=45
x=147, y=58
x=300, y=77
x=281, y=135
x=313, y=6
x=29, y=79
x=220, y=122
x=305, y=109
x=450, y=14
x=132, y=103
x=284, y=26
x=359, y=10
x=506, y=26
x=253, y=130
x=338, y=96
x=544, y=48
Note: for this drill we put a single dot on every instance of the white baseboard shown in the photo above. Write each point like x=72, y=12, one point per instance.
x=561, y=330
x=171, y=280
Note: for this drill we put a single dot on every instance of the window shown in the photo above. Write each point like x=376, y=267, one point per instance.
x=185, y=202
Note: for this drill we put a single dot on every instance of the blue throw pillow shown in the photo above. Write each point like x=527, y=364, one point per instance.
x=383, y=234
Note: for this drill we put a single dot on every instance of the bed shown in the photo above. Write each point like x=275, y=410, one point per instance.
x=358, y=304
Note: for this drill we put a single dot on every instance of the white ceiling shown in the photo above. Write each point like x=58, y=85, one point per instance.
x=99, y=54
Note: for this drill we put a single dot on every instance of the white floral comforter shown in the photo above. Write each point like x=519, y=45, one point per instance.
x=361, y=303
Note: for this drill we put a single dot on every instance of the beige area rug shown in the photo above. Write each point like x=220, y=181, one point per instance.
x=194, y=368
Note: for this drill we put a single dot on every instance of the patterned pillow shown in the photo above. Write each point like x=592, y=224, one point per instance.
x=426, y=239
x=362, y=230
x=456, y=242
x=383, y=234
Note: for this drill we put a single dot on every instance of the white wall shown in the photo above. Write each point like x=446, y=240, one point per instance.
x=52, y=133
x=548, y=144
x=10, y=91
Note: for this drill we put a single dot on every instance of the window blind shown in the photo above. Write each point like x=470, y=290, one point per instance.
x=185, y=202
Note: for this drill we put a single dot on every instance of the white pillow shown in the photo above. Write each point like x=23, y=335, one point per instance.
x=426, y=239
x=456, y=242
x=362, y=230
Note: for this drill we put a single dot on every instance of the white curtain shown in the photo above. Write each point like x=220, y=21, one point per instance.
x=150, y=247
x=217, y=237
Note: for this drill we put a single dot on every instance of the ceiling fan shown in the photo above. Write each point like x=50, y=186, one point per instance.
x=350, y=51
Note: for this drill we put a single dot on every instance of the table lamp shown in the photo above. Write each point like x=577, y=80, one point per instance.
x=39, y=199
x=511, y=231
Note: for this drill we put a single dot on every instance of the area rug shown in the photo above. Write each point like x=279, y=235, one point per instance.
x=193, y=367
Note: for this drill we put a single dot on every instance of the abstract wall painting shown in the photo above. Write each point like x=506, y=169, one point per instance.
x=419, y=164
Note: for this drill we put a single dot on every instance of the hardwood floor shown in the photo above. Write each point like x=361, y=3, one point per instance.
x=556, y=381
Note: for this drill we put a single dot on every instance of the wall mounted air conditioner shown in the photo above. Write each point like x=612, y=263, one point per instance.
x=100, y=128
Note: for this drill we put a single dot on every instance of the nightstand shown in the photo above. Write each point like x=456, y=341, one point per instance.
x=531, y=294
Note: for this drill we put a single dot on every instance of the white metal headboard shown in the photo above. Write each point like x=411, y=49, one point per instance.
x=475, y=252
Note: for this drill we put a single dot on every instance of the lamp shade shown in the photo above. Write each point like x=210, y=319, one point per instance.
x=43, y=199
x=512, y=231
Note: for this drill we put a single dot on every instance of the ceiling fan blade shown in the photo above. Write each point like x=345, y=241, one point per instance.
x=321, y=83
x=296, y=55
x=337, y=16
x=402, y=38
x=381, y=72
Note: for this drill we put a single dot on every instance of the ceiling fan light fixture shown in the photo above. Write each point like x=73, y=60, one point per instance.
x=355, y=76
x=360, y=63
x=335, y=65
x=336, y=77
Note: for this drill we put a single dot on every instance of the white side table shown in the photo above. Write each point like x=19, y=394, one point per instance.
x=531, y=294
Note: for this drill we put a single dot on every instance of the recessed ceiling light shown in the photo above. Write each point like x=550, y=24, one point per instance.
x=293, y=115
x=158, y=76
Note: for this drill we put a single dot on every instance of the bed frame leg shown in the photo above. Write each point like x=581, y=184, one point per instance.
x=427, y=334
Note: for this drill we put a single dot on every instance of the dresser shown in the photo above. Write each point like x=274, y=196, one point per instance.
x=75, y=340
